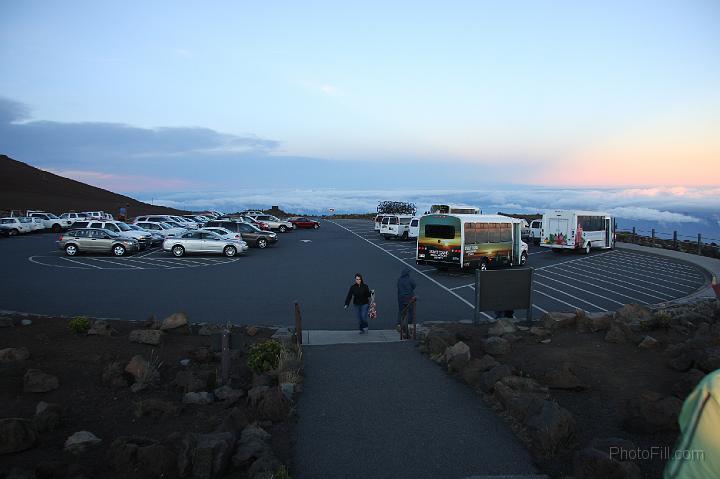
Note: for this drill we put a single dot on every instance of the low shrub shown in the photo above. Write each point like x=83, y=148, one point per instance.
x=79, y=325
x=264, y=357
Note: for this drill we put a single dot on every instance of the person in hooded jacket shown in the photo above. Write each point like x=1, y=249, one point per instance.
x=360, y=294
x=406, y=292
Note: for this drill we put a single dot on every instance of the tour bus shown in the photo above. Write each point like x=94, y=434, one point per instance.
x=397, y=226
x=454, y=209
x=470, y=241
x=577, y=230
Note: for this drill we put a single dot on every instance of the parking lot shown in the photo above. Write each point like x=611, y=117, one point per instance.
x=315, y=268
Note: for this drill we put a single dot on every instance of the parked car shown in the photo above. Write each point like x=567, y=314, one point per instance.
x=396, y=226
x=73, y=217
x=160, y=228
x=303, y=222
x=50, y=221
x=204, y=242
x=99, y=215
x=184, y=222
x=224, y=232
x=37, y=224
x=120, y=228
x=535, y=227
x=414, y=230
x=96, y=240
x=17, y=225
x=274, y=222
x=258, y=224
x=253, y=236
x=155, y=238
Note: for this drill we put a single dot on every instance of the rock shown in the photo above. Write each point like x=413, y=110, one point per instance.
x=138, y=367
x=251, y=330
x=262, y=380
x=36, y=381
x=146, y=336
x=174, y=321
x=202, y=355
x=7, y=322
x=476, y=367
x=602, y=459
x=228, y=394
x=211, y=454
x=539, y=332
x=650, y=412
x=80, y=442
x=154, y=407
x=184, y=362
x=190, y=381
x=19, y=473
x=708, y=360
x=202, y=397
x=488, y=379
x=551, y=429
x=636, y=317
x=264, y=467
x=685, y=386
x=113, y=377
x=156, y=460
x=210, y=329
x=438, y=340
x=594, y=322
x=681, y=363
x=47, y=416
x=457, y=356
x=546, y=341
x=26, y=322
x=521, y=397
x=562, y=378
x=486, y=363
x=255, y=394
x=288, y=389
x=234, y=422
x=553, y=321
x=272, y=405
x=619, y=333
x=136, y=453
x=496, y=346
x=102, y=327
x=253, y=444
x=649, y=342
x=502, y=326
x=11, y=355
x=16, y=435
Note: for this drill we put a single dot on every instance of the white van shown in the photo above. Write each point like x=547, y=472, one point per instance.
x=414, y=227
x=578, y=230
x=396, y=226
x=535, y=227
x=378, y=222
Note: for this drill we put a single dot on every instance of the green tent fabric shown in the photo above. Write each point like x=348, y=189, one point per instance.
x=697, y=453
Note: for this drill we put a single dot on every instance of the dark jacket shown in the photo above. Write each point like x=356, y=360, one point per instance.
x=405, y=286
x=359, y=293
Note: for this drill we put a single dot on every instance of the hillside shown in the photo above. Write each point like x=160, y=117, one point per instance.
x=24, y=187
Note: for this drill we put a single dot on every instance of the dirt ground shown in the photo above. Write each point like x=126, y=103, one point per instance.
x=78, y=361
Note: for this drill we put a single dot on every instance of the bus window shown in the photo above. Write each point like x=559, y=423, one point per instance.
x=440, y=231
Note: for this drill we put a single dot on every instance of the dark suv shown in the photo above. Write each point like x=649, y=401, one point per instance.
x=250, y=234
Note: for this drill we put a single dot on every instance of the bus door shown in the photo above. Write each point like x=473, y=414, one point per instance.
x=557, y=230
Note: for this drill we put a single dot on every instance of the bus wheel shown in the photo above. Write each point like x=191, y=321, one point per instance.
x=523, y=259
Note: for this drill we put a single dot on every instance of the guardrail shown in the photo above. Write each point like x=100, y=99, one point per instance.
x=699, y=245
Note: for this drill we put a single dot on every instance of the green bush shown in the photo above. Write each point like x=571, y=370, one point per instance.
x=264, y=356
x=79, y=325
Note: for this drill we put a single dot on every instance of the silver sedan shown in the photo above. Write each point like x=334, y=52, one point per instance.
x=204, y=242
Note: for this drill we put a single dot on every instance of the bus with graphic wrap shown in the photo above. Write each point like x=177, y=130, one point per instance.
x=470, y=241
x=577, y=230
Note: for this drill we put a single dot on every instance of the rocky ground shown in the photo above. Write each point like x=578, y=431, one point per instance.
x=127, y=399
x=579, y=387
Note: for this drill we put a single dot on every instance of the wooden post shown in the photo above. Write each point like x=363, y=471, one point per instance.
x=699, y=243
x=225, y=354
x=653, y=236
x=298, y=324
x=675, y=246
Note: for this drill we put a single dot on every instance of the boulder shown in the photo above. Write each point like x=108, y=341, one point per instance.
x=500, y=327
x=36, y=381
x=113, y=376
x=620, y=333
x=636, y=317
x=152, y=337
x=551, y=429
x=12, y=355
x=540, y=332
x=80, y=442
x=153, y=407
x=138, y=367
x=476, y=367
x=553, y=321
x=202, y=354
x=210, y=329
x=234, y=422
x=228, y=394
x=47, y=416
x=708, y=359
x=199, y=398
x=488, y=379
x=496, y=346
x=521, y=397
x=136, y=453
x=25, y=322
x=251, y=331
x=438, y=340
x=272, y=405
x=288, y=389
x=210, y=455
x=651, y=412
x=156, y=460
x=253, y=444
x=649, y=342
x=562, y=378
x=190, y=381
x=593, y=322
x=264, y=467
x=685, y=386
x=602, y=459
x=101, y=327
x=174, y=321
x=7, y=322
x=457, y=356
x=681, y=363
x=16, y=435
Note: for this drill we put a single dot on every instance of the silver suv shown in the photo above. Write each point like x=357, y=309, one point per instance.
x=143, y=237
x=96, y=240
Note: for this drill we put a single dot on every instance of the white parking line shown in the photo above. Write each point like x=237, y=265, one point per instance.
x=663, y=270
x=539, y=252
x=145, y=262
x=555, y=299
x=593, y=277
x=568, y=294
x=115, y=262
x=636, y=273
x=656, y=260
x=587, y=258
x=471, y=285
x=80, y=262
x=538, y=307
x=417, y=270
x=543, y=275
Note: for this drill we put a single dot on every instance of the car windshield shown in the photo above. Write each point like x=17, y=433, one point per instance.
x=133, y=227
x=123, y=227
x=52, y=216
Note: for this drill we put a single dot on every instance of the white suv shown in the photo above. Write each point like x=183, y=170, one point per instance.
x=17, y=225
x=51, y=222
x=273, y=222
x=73, y=217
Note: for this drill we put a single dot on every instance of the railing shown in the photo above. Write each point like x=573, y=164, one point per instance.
x=699, y=245
x=410, y=310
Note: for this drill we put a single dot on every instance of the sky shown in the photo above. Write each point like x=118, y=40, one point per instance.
x=170, y=98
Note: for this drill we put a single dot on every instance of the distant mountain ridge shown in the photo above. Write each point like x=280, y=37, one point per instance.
x=24, y=187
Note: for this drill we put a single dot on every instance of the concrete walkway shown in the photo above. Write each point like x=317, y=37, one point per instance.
x=711, y=265
x=317, y=337
x=382, y=410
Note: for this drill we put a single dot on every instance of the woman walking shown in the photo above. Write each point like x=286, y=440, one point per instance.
x=360, y=295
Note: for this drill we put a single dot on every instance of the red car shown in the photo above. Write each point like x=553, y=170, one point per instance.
x=304, y=223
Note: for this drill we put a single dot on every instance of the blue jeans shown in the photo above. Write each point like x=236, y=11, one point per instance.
x=362, y=314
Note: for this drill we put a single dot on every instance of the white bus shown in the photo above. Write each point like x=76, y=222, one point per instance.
x=470, y=241
x=454, y=210
x=577, y=230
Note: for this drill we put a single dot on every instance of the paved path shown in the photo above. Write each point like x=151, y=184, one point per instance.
x=383, y=411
